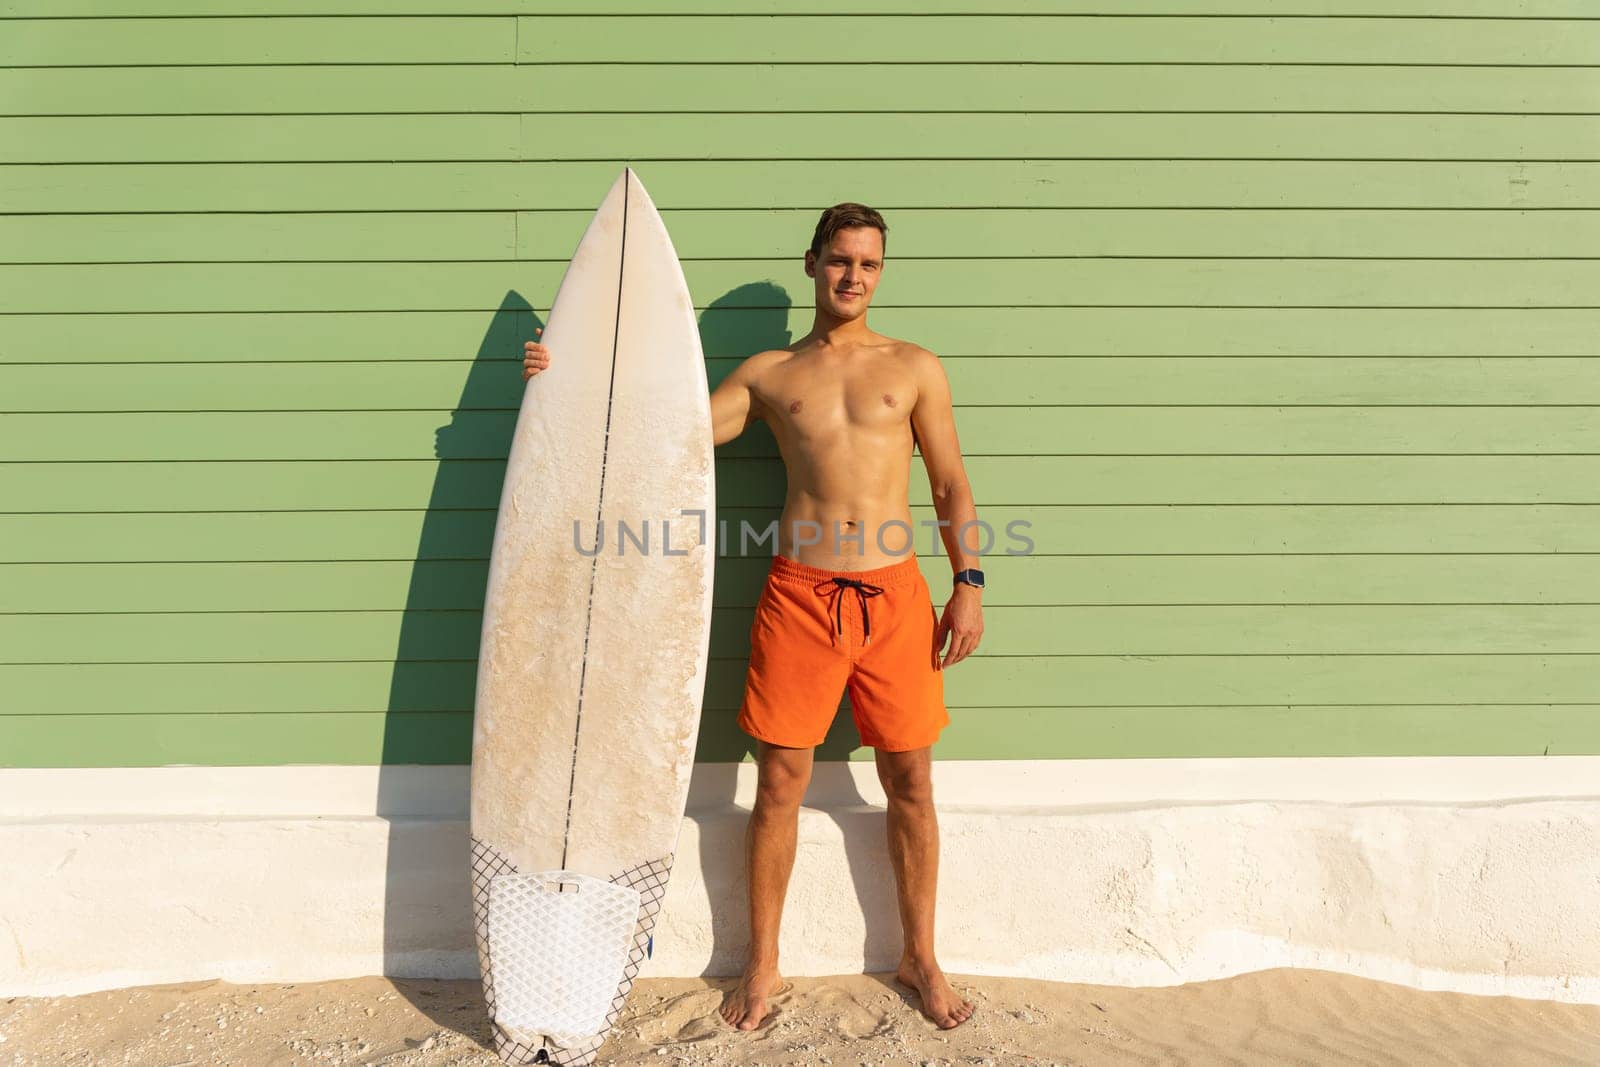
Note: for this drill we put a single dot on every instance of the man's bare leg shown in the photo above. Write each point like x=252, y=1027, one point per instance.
x=784, y=774
x=914, y=851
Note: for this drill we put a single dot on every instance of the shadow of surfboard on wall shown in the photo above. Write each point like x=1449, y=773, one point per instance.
x=428, y=720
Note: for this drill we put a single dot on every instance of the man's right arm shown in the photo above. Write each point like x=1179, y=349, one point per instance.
x=733, y=402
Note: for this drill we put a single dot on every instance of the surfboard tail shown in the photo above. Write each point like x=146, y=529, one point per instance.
x=559, y=952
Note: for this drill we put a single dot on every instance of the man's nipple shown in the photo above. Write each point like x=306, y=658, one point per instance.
x=888, y=398
x=794, y=406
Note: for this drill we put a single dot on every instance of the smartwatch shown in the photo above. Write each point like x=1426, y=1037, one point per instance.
x=972, y=576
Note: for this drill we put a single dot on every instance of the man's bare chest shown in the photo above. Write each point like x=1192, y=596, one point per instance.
x=810, y=403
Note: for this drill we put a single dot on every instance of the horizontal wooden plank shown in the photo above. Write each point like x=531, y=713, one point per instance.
x=1464, y=729
x=621, y=137
x=1079, y=233
x=1443, y=9
x=888, y=185
x=1139, y=575
x=1026, y=134
x=975, y=381
x=261, y=636
x=464, y=533
x=280, y=138
x=244, y=138
x=201, y=537
x=1060, y=38
x=1085, y=681
x=502, y=88
x=335, y=585
x=101, y=740
x=690, y=38
x=1011, y=481
x=60, y=288
x=738, y=136
x=1074, y=630
x=448, y=534
x=241, y=39
x=487, y=333
x=1040, y=431
x=98, y=740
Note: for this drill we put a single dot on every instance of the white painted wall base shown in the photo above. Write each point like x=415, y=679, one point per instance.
x=1477, y=875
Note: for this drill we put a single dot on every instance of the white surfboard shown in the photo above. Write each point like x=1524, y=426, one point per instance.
x=592, y=663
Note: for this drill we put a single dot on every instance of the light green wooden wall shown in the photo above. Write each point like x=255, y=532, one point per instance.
x=1281, y=331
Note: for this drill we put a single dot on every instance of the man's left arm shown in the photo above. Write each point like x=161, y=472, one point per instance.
x=933, y=423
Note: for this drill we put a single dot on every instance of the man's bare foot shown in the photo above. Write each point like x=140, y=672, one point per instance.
x=746, y=1006
x=940, y=1002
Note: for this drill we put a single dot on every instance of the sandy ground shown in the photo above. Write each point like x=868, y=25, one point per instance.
x=1278, y=1017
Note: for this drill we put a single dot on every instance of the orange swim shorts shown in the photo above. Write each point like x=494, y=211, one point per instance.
x=819, y=631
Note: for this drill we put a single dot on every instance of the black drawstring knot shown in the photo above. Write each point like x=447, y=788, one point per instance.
x=835, y=587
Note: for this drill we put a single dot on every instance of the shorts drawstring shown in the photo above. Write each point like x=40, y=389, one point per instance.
x=834, y=587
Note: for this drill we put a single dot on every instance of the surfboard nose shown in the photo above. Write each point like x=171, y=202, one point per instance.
x=639, y=202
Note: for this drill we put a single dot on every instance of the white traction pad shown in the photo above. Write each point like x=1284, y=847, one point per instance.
x=561, y=942
x=648, y=879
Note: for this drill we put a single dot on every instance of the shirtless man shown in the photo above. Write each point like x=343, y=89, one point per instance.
x=845, y=602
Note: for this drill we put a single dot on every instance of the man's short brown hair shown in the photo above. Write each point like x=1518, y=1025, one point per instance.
x=843, y=217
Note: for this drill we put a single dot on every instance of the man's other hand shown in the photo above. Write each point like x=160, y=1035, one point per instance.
x=962, y=623
x=535, y=356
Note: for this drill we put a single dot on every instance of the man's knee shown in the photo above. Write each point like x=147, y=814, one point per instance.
x=910, y=783
x=782, y=780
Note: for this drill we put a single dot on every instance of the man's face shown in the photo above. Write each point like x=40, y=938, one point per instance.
x=847, y=271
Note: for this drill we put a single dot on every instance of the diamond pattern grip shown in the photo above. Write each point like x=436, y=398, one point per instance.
x=648, y=883
x=561, y=943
